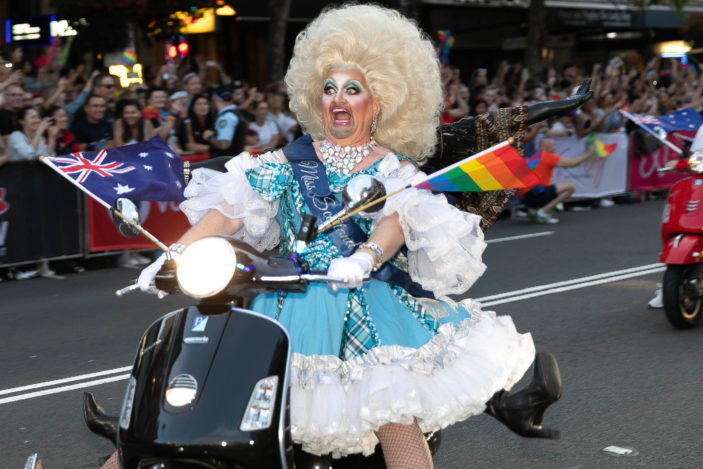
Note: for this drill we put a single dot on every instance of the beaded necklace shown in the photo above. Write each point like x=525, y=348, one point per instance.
x=343, y=158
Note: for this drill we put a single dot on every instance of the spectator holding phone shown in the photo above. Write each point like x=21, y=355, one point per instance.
x=65, y=140
x=29, y=142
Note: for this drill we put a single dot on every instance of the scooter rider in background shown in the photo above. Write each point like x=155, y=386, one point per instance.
x=697, y=144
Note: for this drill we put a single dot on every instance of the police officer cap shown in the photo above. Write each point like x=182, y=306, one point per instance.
x=224, y=92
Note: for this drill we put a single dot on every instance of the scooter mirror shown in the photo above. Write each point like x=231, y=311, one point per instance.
x=661, y=133
x=695, y=161
x=130, y=211
x=361, y=190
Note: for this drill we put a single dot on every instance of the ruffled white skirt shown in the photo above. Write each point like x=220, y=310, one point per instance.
x=336, y=406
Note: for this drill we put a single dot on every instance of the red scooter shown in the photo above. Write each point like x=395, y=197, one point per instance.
x=682, y=245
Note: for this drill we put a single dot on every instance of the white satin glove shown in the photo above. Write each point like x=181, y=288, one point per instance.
x=352, y=269
x=149, y=273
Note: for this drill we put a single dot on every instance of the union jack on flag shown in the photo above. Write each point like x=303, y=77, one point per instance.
x=141, y=171
x=84, y=167
x=685, y=119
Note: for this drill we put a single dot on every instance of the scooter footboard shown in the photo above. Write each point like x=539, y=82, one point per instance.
x=682, y=249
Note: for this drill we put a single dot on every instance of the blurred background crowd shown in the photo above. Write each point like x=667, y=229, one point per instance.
x=47, y=110
x=121, y=72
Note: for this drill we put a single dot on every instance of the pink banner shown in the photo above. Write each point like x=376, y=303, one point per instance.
x=643, y=169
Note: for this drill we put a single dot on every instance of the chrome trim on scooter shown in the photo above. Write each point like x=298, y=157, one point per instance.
x=677, y=240
x=692, y=205
x=284, y=388
x=196, y=340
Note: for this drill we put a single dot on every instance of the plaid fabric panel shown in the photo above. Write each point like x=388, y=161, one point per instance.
x=416, y=309
x=359, y=334
x=270, y=180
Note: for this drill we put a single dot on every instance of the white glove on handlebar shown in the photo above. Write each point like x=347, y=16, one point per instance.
x=149, y=274
x=352, y=269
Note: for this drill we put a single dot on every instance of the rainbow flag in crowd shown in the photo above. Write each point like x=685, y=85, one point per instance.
x=129, y=57
x=497, y=168
x=602, y=149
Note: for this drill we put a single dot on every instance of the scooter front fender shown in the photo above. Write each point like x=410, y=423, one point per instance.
x=221, y=356
x=682, y=249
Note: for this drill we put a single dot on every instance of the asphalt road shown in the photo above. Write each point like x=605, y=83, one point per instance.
x=630, y=379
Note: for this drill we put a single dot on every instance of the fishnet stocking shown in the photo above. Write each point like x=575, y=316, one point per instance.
x=404, y=447
x=112, y=463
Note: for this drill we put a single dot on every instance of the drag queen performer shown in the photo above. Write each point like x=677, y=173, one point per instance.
x=378, y=362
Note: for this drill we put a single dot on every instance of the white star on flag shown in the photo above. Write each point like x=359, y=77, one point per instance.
x=143, y=154
x=120, y=189
x=147, y=167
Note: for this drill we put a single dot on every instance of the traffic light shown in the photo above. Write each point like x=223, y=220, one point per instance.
x=183, y=49
x=171, y=52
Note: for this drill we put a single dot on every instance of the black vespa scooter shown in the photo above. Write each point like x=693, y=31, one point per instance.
x=209, y=386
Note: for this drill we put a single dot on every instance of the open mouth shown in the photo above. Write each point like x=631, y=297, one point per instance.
x=341, y=116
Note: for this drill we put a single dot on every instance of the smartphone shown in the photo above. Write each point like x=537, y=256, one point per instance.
x=211, y=63
x=164, y=76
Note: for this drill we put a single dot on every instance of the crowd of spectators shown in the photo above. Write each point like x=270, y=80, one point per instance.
x=199, y=110
x=45, y=110
x=657, y=87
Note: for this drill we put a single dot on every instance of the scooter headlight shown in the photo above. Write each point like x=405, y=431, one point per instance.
x=695, y=162
x=206, y=267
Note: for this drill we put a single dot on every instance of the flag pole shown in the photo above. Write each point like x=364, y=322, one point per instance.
x=651, y=132
x=136, y=226
x=334, y=220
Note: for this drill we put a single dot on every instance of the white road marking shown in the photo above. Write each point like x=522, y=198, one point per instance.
x=507, y=297
x=549, y=286
x=65, y=380
x=525, y=236
x=71, y=387
x=573, y=286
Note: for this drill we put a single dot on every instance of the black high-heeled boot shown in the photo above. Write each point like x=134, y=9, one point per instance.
x=522, y=411
x=98, y=421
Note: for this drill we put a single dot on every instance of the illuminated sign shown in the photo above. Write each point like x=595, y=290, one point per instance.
x=61, y=28
x=33, y=31
x=205, y=23
x=674, y=48
x=36, y=30
x=127, y=76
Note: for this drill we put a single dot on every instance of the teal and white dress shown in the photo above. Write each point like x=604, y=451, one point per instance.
x=373, y=355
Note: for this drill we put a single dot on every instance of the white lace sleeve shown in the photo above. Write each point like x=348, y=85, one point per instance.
x=231, y=195
x=444, y=243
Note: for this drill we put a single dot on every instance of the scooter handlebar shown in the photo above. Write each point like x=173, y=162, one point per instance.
x=135, y=286
x=322, y=277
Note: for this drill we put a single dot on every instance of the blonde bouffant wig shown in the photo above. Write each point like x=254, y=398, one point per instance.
x=398, y=61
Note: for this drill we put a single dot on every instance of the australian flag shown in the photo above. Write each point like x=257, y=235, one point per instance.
x=685, y=119
x=141, y=171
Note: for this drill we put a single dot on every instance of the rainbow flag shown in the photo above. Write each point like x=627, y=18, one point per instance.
x=129, y=57
x=602, y=149
x=497, y=168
